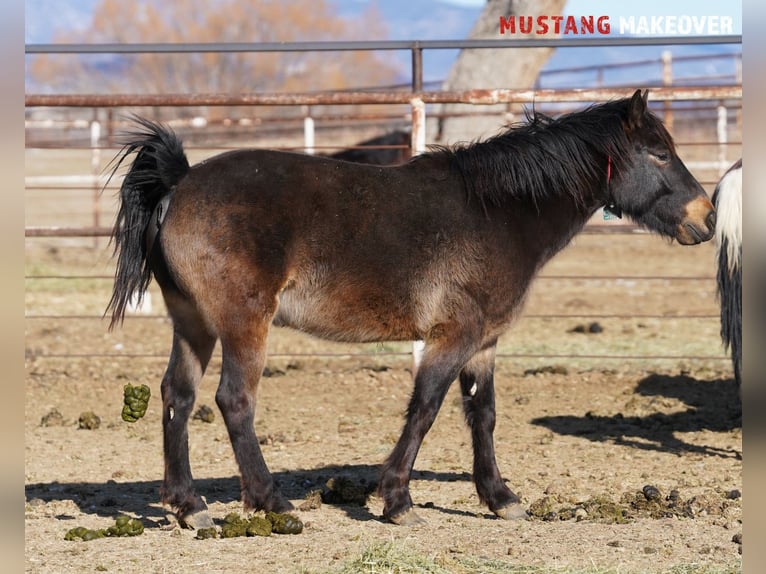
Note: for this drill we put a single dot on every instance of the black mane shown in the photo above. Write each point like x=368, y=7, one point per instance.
x=545, y=157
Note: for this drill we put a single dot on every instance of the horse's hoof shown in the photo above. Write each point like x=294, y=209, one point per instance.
x=513, y=511
x=407, y=518
x=196, y=520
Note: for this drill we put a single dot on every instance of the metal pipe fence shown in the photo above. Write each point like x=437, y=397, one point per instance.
x=415, y=98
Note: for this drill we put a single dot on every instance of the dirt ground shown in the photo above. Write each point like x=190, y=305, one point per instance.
x=578, y=438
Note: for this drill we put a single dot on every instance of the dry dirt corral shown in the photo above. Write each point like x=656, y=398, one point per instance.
x=582, y=432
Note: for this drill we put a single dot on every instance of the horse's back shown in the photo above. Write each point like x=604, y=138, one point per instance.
x=346, y=251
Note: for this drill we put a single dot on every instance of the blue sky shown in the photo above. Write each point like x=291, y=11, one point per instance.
x=451, y=19
x=73, y=13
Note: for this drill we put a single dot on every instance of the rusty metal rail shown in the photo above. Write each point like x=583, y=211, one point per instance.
x=354, y=45
x=477, y=96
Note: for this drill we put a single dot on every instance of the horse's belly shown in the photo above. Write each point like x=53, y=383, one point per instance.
x=332, y=317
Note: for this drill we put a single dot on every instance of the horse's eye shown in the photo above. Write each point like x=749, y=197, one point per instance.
x=661, y=155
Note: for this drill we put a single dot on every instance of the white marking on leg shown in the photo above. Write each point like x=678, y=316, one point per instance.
x=418, y=348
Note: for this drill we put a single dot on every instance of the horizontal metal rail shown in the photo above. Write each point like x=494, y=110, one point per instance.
x=475, y=96
x=351, y=45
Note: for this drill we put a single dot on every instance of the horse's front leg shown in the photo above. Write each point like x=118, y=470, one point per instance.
x=440, y=364
x=244, y=357
x=478, y=390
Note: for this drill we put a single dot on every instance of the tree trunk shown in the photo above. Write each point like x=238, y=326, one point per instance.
x=493, y=68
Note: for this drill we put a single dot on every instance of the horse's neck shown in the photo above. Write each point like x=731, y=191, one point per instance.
x=556, y=221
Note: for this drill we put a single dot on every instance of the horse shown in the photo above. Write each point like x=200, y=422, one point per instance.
x=369, y=150
x=441, y=249
x=727, y=199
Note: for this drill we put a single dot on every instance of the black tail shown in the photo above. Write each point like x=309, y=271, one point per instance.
x=159, y=165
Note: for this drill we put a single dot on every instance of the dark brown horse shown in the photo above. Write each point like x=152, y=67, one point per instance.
x=388, y=149
x=442, y=249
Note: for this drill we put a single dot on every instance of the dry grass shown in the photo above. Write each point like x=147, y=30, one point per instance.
x=399, y=558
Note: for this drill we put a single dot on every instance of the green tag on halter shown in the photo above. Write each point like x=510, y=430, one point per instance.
x=612, y=213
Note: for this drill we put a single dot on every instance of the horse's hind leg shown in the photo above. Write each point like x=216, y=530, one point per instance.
x=244, y=357
x=478, y=390
x=192, y=347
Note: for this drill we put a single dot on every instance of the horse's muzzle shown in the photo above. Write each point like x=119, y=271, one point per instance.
x=699, y=224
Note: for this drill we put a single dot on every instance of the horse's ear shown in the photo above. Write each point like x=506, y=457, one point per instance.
x=637, y=108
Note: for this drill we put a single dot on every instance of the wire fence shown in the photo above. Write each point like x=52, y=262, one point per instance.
x=723, y=98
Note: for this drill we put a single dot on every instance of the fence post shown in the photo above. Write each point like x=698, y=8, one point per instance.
x=667, y=81
x=95, y=166
x=723, y=139
x=308, y=134
x=418, y=144
x=417, y=67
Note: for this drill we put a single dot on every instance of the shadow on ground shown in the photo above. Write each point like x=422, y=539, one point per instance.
x=709, y=405
x=142, y=497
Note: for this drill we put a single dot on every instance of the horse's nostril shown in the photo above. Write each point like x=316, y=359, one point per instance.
x=711, y=220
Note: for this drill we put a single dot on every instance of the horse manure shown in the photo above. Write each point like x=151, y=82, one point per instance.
x=258, y=526
x=703, y=505
x=206, y=533
x=89, y=420
x=284, y=523
x=279, y=523
x=205, y=414
x=82, y=533
x=269, y=372
x=603, y=509
x=136, y=399
x=313, y=500
x=651, y=492
x=547, y=370
x=233, y=525
x=123, y=526
x=593, y=328
x=542, y=507
x=599, y=508
x=737, y=539
x=343, y=490
x=53, y=419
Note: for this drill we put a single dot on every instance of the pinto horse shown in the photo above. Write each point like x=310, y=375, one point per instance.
x=440, y=249
x=727, y=199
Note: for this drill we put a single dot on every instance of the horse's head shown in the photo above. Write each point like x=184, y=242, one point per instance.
x=655, y=189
